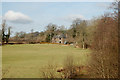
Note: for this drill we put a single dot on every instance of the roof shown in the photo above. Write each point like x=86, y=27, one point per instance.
x=60, y=36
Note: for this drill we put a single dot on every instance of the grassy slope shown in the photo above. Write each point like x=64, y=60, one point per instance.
x=27, y=60
x=0, y=62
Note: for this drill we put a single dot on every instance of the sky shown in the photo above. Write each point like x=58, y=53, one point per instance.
x=57, y=0
x=24, y=16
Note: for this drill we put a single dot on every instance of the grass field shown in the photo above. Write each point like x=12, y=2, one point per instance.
x=27, y=60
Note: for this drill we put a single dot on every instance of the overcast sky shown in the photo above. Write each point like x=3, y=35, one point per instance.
x=24, y=16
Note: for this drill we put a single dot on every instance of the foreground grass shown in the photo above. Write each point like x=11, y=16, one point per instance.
x=27, y=60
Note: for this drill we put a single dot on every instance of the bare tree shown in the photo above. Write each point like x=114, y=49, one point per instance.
x=5, y=37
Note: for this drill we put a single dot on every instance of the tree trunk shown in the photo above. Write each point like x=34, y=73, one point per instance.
x=83, y=46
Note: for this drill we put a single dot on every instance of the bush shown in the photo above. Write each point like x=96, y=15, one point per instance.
x=68, y=71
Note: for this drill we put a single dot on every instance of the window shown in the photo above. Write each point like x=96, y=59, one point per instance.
x=59, y=41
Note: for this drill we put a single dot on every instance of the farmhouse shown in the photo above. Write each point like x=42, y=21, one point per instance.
x=59, y=39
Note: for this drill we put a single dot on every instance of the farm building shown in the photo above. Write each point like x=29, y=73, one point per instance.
x=59, y=39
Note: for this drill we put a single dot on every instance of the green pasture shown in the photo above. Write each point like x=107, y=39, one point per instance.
x=27, y=60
